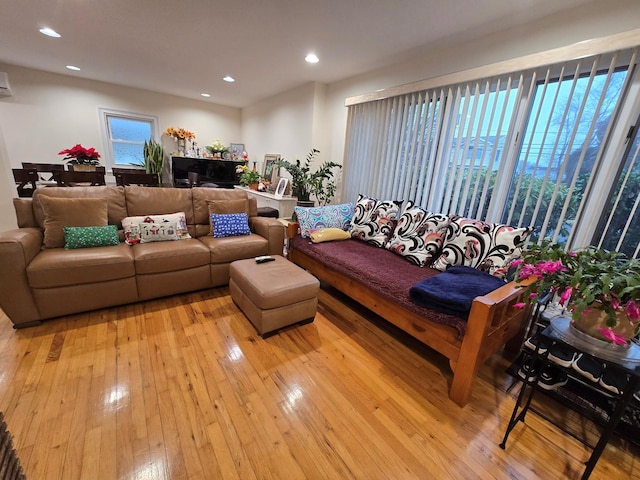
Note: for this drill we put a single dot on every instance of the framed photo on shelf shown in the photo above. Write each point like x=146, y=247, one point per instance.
x=236, y=150
x=281, y=188
x=270, y=171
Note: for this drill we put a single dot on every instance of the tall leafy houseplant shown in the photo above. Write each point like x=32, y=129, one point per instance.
x=154, y=158
x=305, y=183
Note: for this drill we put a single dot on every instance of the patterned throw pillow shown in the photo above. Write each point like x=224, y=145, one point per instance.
x=230, y=224
x=85, y=237
x=418, y=235
x=374, y=220
x=132, y=231
x=329, y=216
x=488, y=247
x=158, y=232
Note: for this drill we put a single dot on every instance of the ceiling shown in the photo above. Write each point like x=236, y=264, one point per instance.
x=185, y=48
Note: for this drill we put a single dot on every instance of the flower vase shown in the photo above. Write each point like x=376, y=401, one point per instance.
x=253, y=185
x=84, y=168
x=592, y=319
x=181, y=146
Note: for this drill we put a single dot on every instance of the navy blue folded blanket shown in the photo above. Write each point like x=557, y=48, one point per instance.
x=453, y=290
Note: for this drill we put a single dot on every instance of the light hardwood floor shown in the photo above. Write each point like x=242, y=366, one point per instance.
x=183, y=387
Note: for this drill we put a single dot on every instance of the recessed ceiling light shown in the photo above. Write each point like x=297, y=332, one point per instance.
x=50, y=32
x=229, y=79
x=311, y=58
x=73, y=67
x=205, y=95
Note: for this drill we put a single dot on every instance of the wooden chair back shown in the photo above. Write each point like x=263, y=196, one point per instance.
x=44, y=168
x=117, y=170
x=24, y=177
x=72, y=179
x=143, y=179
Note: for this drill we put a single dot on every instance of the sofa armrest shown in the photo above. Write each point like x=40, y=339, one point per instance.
x=18, y=248
x=272, y=230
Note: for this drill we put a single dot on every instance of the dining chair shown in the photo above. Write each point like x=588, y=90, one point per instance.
x=44, y=168
x=79, y=179
x=24, y=177
x=142, y=179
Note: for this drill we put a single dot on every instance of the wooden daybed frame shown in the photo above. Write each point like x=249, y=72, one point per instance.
x=493, y=321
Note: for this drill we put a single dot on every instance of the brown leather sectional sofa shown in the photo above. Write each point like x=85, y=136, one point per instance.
x=38, y=283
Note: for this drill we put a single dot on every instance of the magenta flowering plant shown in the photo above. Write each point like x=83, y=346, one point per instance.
x=586, y=279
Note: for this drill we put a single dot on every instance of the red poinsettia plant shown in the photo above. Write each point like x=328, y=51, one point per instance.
x=79, y=155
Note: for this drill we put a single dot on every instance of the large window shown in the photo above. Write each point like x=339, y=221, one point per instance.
x=125, y=134
x=529, y=148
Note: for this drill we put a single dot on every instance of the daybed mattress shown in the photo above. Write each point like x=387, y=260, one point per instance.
x=387, y=274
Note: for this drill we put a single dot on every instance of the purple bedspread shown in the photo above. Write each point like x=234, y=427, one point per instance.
x=387, y=274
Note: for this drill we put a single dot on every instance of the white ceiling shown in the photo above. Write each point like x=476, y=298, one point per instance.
x=186, y=47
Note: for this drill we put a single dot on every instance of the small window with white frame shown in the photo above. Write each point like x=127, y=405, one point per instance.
x=124, y=135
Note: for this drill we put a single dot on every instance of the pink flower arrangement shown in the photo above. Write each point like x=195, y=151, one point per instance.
x=585, y=280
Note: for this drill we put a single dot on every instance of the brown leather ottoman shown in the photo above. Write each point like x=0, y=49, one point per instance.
x=274, y=294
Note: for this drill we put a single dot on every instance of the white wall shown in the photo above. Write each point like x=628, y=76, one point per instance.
x=49, y=113
x=598, y=19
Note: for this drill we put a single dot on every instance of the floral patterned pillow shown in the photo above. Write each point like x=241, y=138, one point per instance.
x=374, y=220
x=329, y=216
x=131, y=225
x=489, y=247
x=418, y=235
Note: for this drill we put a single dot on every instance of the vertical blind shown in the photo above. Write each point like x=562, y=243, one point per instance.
x=521, y=148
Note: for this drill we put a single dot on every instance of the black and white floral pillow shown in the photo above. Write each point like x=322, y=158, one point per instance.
x=374, y=220
x=418, y=235
x=486, y=246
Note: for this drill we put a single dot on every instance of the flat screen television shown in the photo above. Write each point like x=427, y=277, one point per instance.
x=204, y=170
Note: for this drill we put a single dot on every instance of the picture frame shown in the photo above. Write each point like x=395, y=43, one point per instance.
x=270, y=171
x=236, y=150
x=281, y=188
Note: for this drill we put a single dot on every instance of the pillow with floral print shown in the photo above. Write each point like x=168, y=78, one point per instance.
x=374, y=220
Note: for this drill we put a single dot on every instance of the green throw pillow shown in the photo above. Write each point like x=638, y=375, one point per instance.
x=84, y=237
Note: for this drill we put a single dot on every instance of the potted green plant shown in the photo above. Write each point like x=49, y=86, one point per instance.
x=248, y=177
x=601, y=289
x=81, y=156
x=305, y=183
x=153, y=158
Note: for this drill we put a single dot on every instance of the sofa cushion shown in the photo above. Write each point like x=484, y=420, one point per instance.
x=374, y=220
x=116, y=210
x=158, y=232
x=87, y=237
x=229, y=224
x=488, y=247
x=201, y=207
x=160, y=257
x=58, y=267
x=229, y=249
x=227, y=206
x=418, y=235
x=311, y=219
x=133, y=231
x=70, y=212
x=145, y=201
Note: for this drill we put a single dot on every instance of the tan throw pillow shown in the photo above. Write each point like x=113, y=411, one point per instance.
x=328, y=235
x=70, y=212
x=222, y=207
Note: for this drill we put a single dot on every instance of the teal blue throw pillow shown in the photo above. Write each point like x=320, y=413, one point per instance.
x=329, y=216
x=229, y=224
x=85, y=237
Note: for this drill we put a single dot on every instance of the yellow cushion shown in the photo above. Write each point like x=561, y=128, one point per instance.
x=328, y=235
x=70, y=212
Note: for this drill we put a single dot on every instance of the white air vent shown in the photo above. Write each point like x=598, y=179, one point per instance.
x=5, y=89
